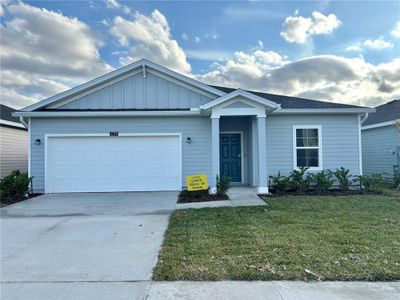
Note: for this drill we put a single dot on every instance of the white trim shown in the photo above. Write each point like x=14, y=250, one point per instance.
x=241, y=151
x=55, y=135
x=377, y=125
x=154, y=113
x=244, y=94
x=11, y=123
x=350, y=110
x=360, y=120
x=320, y=161
x=29, y=147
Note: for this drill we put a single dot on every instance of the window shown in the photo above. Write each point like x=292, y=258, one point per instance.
x=307, y=147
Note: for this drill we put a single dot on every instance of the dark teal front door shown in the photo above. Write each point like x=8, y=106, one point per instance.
x=231, y=156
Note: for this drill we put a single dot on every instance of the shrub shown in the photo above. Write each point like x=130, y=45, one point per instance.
x=343, y=177
x=15, y=185
x=372, y=182
x=280, y=182
x=298, y=181
x=322, y=181
x=223, y=185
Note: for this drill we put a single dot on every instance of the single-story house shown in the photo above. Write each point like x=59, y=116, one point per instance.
x=381, y=140
x=13, y=143
x=144, y=127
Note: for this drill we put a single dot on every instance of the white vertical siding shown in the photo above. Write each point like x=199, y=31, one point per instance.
x=137, y=92
x=13, y=150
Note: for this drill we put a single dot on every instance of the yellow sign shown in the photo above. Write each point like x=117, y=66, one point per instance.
x=196, y=182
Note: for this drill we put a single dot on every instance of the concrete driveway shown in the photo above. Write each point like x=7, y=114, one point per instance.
x=83, y=245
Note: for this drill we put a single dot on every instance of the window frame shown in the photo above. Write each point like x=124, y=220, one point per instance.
x=295, y=148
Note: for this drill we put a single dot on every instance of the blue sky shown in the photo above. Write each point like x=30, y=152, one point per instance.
x=330, y=50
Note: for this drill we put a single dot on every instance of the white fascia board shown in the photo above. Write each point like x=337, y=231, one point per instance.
x=11, y=123
x=286, y=111
x=56, y=114
x=244, y=94
x=113, y=74
x=377, y=125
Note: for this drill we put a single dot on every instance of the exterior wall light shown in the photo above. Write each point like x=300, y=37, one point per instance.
x=38, y=142
x=188, y=140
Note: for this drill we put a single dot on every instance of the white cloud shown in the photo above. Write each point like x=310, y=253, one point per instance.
x=354, y=47
x=396, y=31
x=114, y=4
x=377, y=44
x=149, y=37
x=211, y=35
x=299, y=29
x=327, y=77
x=196, y=39
x=208, y=55
x=44, y=52
x=185, y=36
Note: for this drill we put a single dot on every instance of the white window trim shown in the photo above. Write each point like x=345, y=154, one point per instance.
x=320, y=161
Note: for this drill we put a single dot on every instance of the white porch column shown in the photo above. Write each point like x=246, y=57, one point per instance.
x=214, y=152
x=262, y=155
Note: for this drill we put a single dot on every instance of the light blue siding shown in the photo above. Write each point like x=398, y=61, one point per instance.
x=379, y=147
x=340, y=141
x=196, y=156
x=340, y=138
x=138, y=92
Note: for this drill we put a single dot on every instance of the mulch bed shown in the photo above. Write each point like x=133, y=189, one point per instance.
x=5, y=202
x=332, y=192
x=199, y=196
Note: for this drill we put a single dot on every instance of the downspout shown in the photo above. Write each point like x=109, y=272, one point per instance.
x=364, y=118
x=21, y=119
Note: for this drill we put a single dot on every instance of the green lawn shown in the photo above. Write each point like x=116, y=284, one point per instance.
x=336, y=238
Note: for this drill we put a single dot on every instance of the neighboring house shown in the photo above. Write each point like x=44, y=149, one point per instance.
x=381, y=140
x=13, y=143
x=144, y=127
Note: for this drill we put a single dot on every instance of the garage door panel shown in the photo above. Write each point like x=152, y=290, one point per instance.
x=125, y=163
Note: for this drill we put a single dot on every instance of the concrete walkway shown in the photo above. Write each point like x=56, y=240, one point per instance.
x=240, y=290
x=238, y=196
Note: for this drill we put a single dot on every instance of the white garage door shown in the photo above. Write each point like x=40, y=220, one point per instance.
x=113, y=163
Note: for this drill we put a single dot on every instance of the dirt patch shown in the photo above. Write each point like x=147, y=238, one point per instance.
x=332, y=192
x=199, y=196
x=5, y=202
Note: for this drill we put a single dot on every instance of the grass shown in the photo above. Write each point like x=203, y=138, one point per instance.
x=336, y=238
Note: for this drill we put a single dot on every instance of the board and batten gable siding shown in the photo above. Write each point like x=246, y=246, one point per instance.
x=139, y=92
x=196, y=156
x=13, y=150
x=377, y=146
x=340, y=141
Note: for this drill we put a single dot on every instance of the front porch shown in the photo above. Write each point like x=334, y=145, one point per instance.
x=238, y=134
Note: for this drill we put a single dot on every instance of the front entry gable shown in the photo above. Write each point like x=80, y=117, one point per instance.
x=239, y=103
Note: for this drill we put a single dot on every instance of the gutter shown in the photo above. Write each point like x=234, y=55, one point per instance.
x=21, y=119
x=55, y=114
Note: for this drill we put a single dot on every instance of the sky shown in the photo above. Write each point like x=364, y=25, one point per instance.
x=338, y=51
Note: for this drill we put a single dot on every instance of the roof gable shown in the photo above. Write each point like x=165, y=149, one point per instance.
x=239, y=93
x=142, y=66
